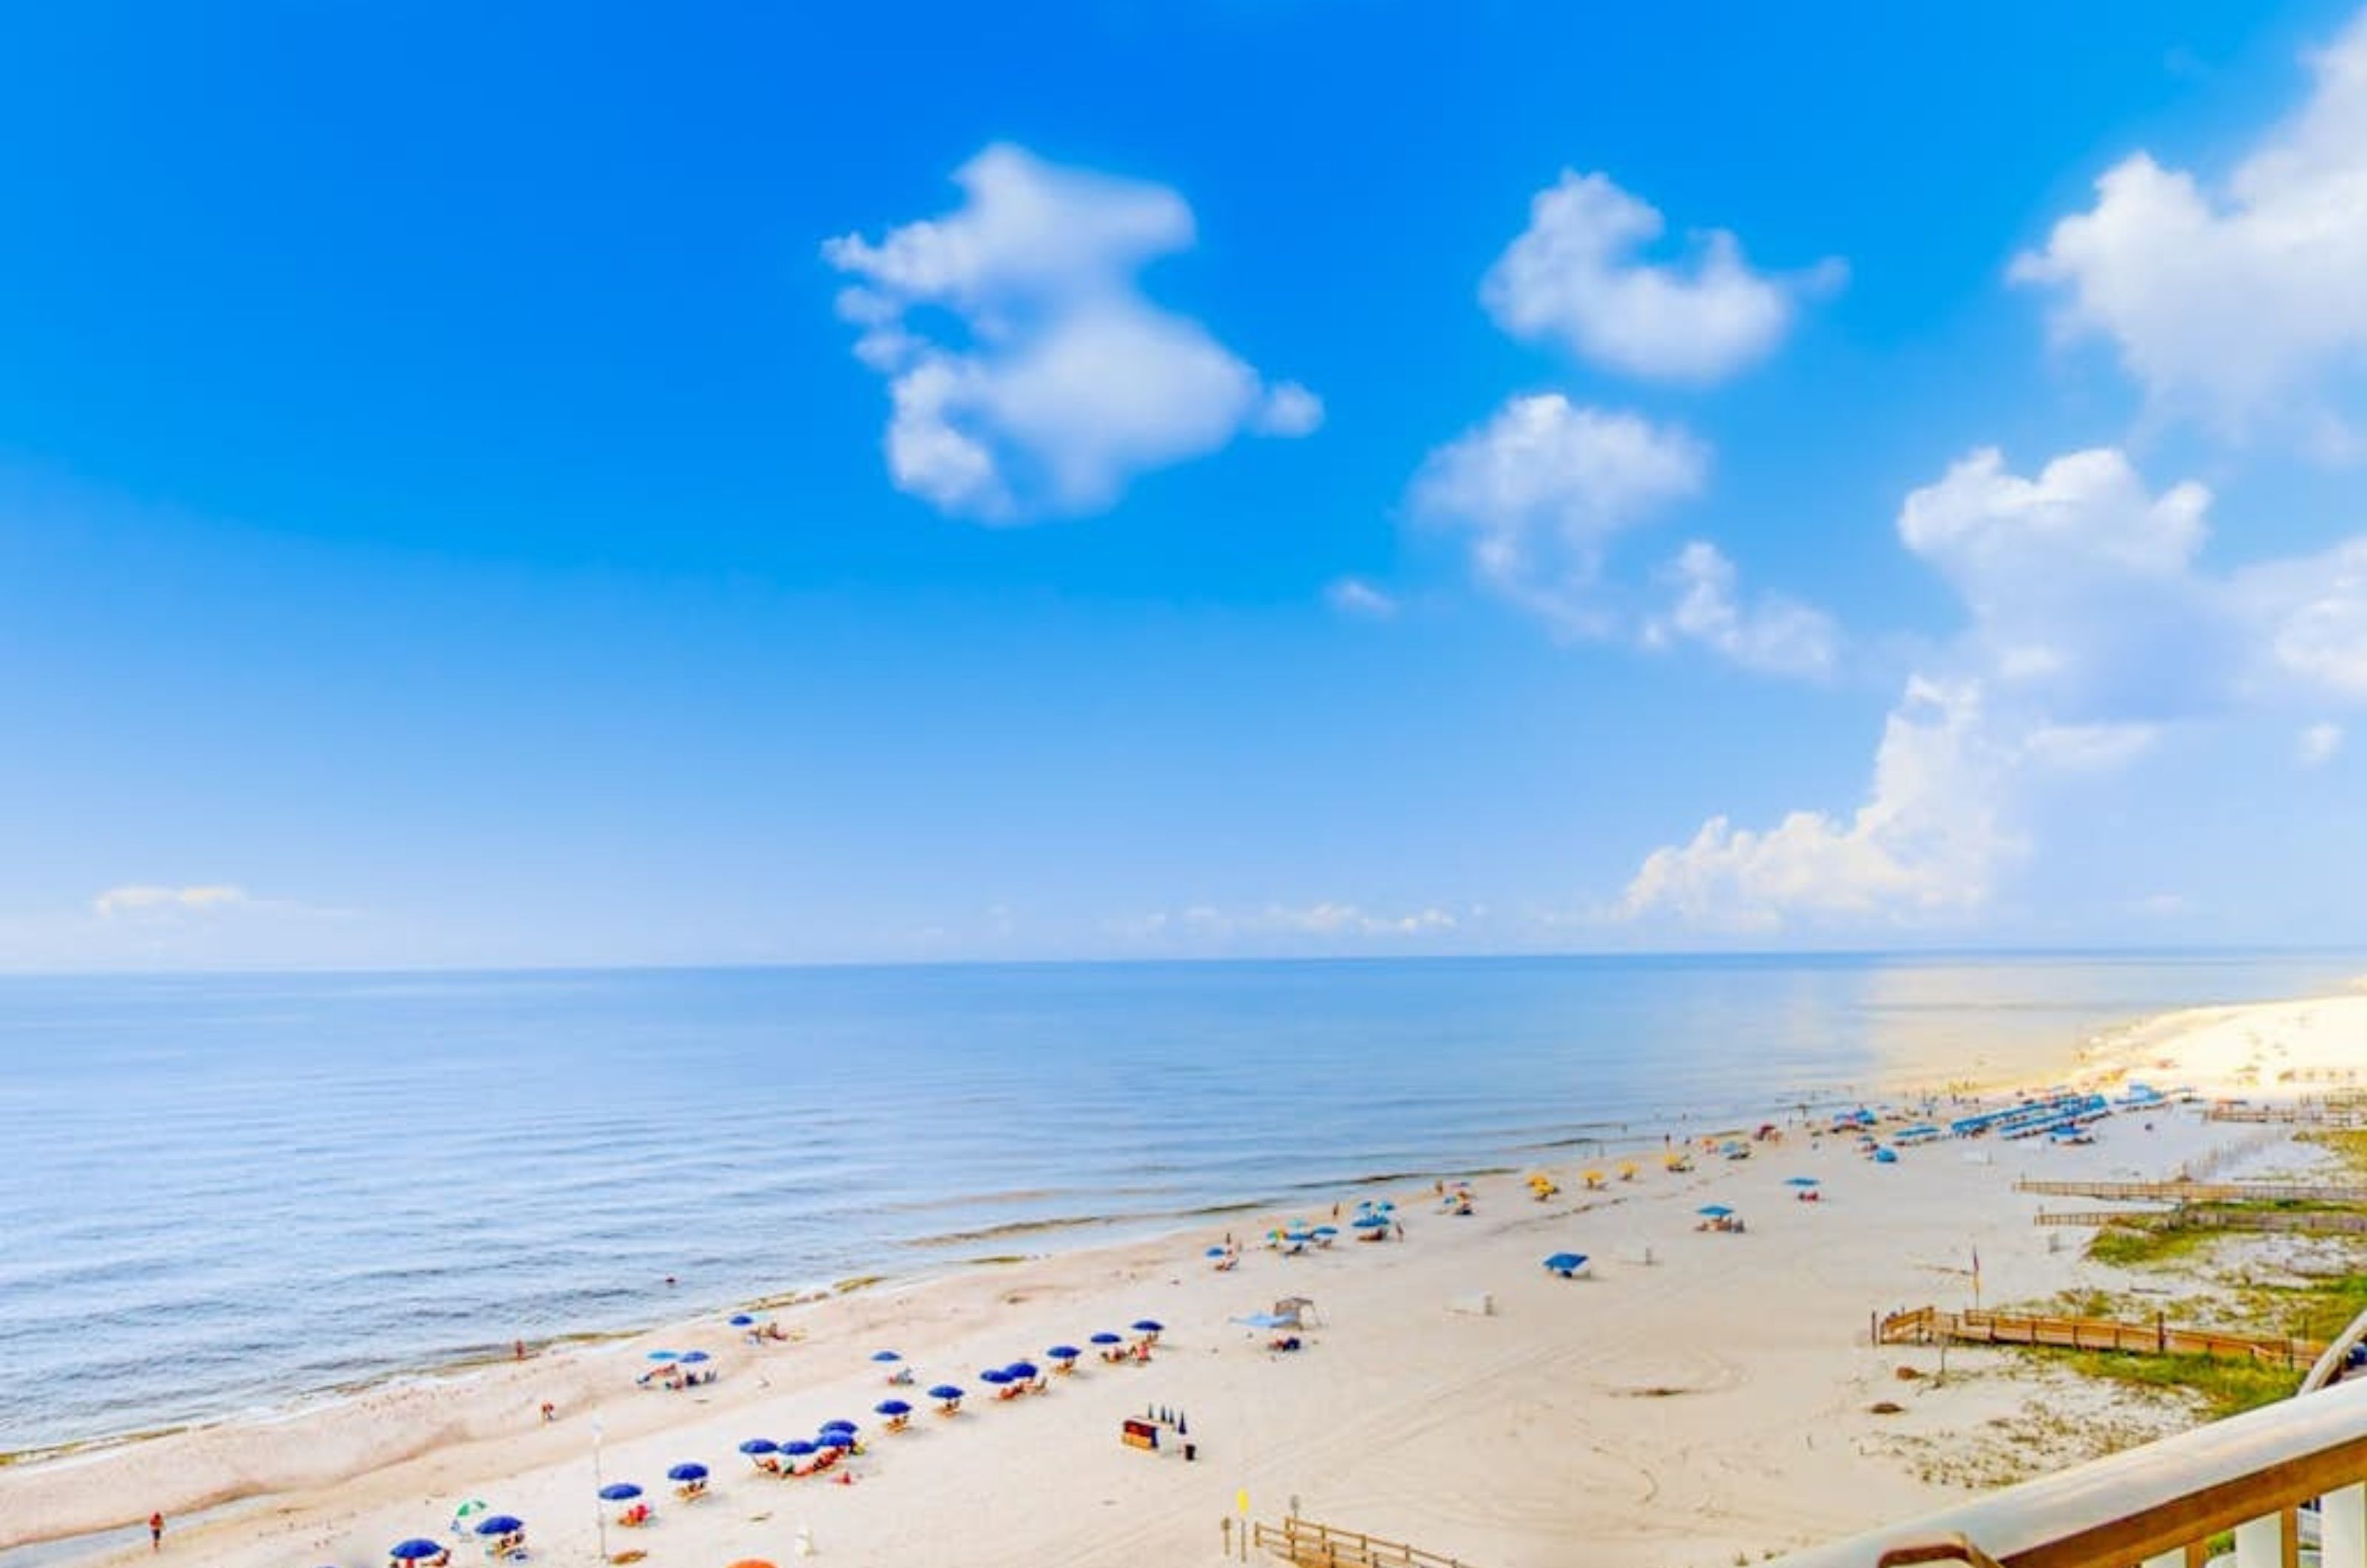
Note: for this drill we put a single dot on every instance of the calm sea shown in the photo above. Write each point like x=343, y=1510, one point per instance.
x=225, y=1192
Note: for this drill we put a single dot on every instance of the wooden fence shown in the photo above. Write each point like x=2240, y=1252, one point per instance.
x=2312, y=1222
x=1307, y=1544
x=1926, y=1325
x=2200, y=1192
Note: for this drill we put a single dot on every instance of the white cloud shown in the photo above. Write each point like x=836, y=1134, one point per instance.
x=1774, y=635
x=1354, y=596
x=1573, y=276
x=1542, y=487
x=142, y=898
x=1056, y=381
x=2091, y=626
x=2318, y=745
x=1327, y=918
x=2242, y=304
x=1927, y=841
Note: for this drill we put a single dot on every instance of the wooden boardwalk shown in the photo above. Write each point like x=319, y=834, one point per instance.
x=1929, y=1325
x=1307, y=1544
x=2200, y=1192
x=2307, y=1222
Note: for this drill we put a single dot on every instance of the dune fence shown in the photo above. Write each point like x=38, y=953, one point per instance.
x=1930, y=1325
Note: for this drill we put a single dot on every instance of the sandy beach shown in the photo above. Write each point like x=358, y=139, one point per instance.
x=1692, y=1398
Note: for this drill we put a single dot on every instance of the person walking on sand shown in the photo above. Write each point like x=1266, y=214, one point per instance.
x=155, y=1532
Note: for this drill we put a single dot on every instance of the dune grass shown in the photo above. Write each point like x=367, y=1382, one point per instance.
x=2139, y=1246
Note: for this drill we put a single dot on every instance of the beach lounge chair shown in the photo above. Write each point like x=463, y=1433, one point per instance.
x=898, y=1423
x=691, y=1491
x=637, y=1516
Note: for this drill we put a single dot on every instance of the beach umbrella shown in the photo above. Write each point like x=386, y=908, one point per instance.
x=468, y=1509
x=1714, y=1210
x=995, y=1375
x=1801, y=1181
x=1149, y=1326
x=688, y=1473
x=945, y=1391
x=1885, y=1156
x=501, y=1524
x=884, y=1356
x=755, y=1445
x=1064, y=1352
x=665, y=1355
x=415, y=1550
x=1022, y=1371
x=1107, y=1338
x=798, y=1448
x=742, y=1320
x=1386, y=1206
x=619, y=1492
x=1214, y=1252
x=1327, y=1230
x=842, y=1424
x=892, y=1407
x=1565, y=1262
x=694, y=1357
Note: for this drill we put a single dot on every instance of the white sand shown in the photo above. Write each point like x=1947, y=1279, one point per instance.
x=1709, y=1403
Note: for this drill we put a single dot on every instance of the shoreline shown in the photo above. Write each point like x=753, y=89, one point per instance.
x=483, y=1396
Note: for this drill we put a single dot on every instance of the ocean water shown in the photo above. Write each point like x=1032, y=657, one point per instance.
x=224, y=1192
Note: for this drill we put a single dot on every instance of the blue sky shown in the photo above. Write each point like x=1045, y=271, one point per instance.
x=590, y=485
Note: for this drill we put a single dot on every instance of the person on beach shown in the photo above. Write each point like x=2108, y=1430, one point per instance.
x=155, y=1532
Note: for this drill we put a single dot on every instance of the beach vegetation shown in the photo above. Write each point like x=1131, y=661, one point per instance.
x=2218, y=1386
x=2139, y=1246
x=2346, y=1147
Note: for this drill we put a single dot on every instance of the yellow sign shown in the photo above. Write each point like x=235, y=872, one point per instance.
x=1241, y=1499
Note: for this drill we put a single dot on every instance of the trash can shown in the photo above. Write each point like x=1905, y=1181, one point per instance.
x=1191, y=1453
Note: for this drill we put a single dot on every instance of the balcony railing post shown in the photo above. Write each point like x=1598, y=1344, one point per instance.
x=2343, y=1523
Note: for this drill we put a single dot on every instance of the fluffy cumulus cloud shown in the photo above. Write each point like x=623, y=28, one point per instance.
x=1772, y=634
x=146, y=898
x=1028, y=374
x=1574, y=276
x=1927, y=840
x=2090, y=625
x=2242, y=304
x=1542, y=487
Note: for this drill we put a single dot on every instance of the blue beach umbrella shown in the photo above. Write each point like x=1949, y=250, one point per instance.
x=1566, y=1263
x=688, y=1473
x=884, y=1356
x=798, y=1448
x=665, y=1355
x=1022, y=1371
x=1714, y=1210
x=945, y=1391
x=1327, y=1230
x=619, y=1492
x=1214, y=1252
x=994, y=1376
x=1885, y=1156
x=1107, y=1338
x=1064, y=1352
x=1149, y=1326
x=694, y=1357
x=415, y=1550
x=1801, y=1181
x=501, y=1524
x=1369, y=1223
x=892, y=1407
x=849, y=1427
x=755, y=1445
x=742, y=1320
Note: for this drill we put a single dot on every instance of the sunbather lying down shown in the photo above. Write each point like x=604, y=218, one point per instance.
x=1282, y=1342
